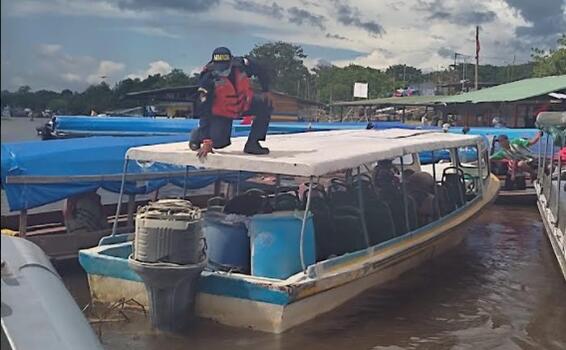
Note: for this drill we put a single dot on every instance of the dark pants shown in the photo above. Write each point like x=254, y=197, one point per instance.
x=219, y=129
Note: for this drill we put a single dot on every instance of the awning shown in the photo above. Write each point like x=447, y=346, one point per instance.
x=308, y=154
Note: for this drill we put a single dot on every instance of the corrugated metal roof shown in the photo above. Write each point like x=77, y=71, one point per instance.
x=515, y=91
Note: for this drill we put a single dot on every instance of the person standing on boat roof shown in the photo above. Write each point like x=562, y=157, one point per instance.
x=224, y=94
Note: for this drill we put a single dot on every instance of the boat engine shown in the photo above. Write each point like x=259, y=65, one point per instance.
x=169, y=255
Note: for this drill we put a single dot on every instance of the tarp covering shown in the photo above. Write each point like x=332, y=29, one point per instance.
x=309, y=154
x=108, y=126
x=132, y=126
x=85, y=156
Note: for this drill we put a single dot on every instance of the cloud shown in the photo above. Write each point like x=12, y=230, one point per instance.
x=445, y=52
x=49, y=49
x=272, y=10
x=300, y=16
x=351, y=16
x=154, y=31
x=456, y=14
x=105, y=70
x=178, y=5
x=547, y=18
x=71, y=77
x=155, y=67
x=336, y=36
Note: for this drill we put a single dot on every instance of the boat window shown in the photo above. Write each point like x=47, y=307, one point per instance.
x=407, y=160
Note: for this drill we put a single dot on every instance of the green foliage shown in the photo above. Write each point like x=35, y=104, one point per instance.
x=337, y=84
x=552, y=62
x=404, y=74
x=284, y=63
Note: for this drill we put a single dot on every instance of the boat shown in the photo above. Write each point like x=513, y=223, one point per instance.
x=35, y=174
x=340, y=235
x=550, y=183
x=38, y=312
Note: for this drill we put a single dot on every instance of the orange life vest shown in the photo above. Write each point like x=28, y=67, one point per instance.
x=232, y=99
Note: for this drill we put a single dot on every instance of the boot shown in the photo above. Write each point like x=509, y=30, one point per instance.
x=194, y=144
x=253, y=147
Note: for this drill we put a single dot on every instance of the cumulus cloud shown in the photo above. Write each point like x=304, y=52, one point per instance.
x=182, y=5
x=335, y=36
x=156, y=67
x=272, y=10
x=300, y=16
x=49, y=49
x=351, y=16
x=154, y=31
x=546, y=18
x=455, y=13
x=106, y=69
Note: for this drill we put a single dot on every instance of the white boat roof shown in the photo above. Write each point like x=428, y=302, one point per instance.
x=310, y=153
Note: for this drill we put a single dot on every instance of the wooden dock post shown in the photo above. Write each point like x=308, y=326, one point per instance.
x=131, y=209
x=23, y=224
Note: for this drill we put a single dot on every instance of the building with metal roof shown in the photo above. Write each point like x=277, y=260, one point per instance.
x=516, y=104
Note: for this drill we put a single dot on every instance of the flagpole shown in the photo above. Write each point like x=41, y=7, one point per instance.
x=477, y=56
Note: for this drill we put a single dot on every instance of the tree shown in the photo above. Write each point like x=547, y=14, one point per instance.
x=337, y=84
x=552, y=62
x=404, y=74
x=285, y=66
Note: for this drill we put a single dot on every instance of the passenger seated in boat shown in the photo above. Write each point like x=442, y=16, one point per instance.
x=515, y=155
x=84, y=213
x=420, y=186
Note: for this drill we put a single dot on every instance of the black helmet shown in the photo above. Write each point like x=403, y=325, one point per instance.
x=221, y=59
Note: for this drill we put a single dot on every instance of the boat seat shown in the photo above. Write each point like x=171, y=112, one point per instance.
x=445, y=203
x=286, y=201
x=324, y=231
x=394, y=199
x=379, y=221
x=454, y=178
x=248, y=204
x=349, y=235
x=216, y=204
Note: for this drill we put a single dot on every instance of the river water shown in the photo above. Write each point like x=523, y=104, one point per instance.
x=500, y=289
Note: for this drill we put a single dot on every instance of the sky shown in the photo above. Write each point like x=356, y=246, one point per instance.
x=59, y=44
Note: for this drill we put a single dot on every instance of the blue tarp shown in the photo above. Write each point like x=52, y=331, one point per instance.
x=138, y=126
x=85, y=156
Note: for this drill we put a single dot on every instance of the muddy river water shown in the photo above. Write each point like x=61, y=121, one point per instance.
x=500, y=289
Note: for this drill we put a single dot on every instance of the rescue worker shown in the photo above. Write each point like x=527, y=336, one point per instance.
x=224, y=94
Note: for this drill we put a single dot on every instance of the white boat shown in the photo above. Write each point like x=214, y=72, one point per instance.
x=386, y=236
x=38, y=312
x=551, y=181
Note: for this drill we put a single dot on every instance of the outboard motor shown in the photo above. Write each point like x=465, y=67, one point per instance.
x=169, y=255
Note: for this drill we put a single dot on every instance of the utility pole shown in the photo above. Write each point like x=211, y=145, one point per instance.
x=477, y=56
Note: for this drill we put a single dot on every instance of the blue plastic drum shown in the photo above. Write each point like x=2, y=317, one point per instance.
x=227, y=240
x=275, y=243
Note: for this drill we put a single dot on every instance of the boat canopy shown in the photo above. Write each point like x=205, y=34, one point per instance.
x=99, y=160
x=551, y=119
x=309, y=154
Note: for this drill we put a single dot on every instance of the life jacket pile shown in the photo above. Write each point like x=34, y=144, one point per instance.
x=231, y=100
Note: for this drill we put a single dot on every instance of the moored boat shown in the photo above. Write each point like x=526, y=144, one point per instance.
x=349, y=230
x=551, y=181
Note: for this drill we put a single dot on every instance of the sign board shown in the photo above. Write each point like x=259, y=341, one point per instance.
x=361, y=90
